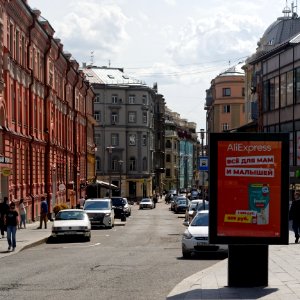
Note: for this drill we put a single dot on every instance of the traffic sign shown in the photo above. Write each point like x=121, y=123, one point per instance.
x=203, y=163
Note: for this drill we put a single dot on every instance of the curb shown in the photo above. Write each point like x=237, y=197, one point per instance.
x=33, y=244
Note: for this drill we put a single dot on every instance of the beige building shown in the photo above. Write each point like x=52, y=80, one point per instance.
x=225, y=103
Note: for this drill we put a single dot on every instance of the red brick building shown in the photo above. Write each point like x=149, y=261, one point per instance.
x=46, y=109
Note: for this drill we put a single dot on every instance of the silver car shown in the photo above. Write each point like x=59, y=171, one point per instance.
x=100, y=212
x=127, y=207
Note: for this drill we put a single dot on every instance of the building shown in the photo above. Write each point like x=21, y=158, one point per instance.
x=180, y=153
x=225, y=103
x=273, y=81
x=128, y=135
x=45, y=113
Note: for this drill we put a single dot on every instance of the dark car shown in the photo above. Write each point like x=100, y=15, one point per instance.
x=181, y=206
x=119, y=204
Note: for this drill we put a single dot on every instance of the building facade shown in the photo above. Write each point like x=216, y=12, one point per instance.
x=45, y=110
x=128, y=135
x=225, y=102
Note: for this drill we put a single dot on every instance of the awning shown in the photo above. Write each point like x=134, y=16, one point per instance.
x=106, y=184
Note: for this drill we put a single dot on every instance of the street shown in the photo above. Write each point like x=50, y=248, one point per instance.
x=139, y=259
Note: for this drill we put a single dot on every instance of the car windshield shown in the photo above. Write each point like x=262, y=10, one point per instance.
x=146, y=200
x=96, y=205
x=182, y=202
x=200, y=220
x=201, y=207
x=118, y=202
x=70, y=215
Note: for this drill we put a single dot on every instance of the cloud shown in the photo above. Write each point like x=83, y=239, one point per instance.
x=93, y=26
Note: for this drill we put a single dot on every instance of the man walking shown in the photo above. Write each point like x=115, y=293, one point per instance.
x=294, y=215
x=4, y=208
x=44, y=213
x=11, y=222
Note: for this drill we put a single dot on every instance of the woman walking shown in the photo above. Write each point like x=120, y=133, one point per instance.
x=22, y=211
x=11, y=221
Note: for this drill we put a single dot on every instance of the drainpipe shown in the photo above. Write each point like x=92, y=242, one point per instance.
x=31, y=27
x=46, y=129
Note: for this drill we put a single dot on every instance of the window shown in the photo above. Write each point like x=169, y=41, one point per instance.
x=168, y=158
x=225, y=126
x=132, y=164
x=272, y=94
x=283, y=90
x=132, y=139
x=290, y=86
x=97, y=139
x=168, y=173
x=144, y=117
x=144, y=100
x=97, y=98
x=276, y=91
x=97, y=116
x=226, y=92
x=114, y=139
x=98, y=163
x=266, y=95
x=226, y=109
x=144, y=164
x=114, y=99
x=115, y=164
x=131, y=117
x=243, y=92
x=168, y=144
x=131, y=99
x=144, y=140
x=114, y=117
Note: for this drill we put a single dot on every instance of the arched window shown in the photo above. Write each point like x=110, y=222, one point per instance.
x=145, y=164
x=132, y=164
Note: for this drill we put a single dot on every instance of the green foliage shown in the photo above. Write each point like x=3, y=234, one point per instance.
x=59, y=207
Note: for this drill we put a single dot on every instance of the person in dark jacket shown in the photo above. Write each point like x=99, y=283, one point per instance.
x=294, y=215
x=4, y=208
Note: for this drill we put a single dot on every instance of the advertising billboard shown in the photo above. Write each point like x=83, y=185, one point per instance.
x=249, y=188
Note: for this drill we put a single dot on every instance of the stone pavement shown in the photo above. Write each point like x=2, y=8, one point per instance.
x=29, y=237
x=211, y=283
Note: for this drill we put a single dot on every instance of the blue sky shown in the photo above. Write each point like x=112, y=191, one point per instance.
x=180, y=44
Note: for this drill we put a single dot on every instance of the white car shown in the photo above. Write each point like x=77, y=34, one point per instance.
x=127, y=207
x=195, y=237
x=194, y=207
x=72, y=222
x=100, y=212
x=146, y=203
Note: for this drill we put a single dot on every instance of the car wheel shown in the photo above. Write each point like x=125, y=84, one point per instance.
x=123, y=218
x=88, y=238
x=186, y=254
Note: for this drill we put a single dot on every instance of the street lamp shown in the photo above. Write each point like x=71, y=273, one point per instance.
x=109, y=149
x=120, y=169
x=202, y=154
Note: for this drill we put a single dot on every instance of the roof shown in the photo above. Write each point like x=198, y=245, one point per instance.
x=110, y=76
x=234, y=70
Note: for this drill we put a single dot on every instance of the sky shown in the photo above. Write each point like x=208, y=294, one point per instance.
x=179, y=44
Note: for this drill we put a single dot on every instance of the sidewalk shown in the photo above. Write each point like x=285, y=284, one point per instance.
x=29, y=237
x=211, y=283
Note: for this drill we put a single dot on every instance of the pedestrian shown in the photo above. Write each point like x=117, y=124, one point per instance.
x=294, y=215
x=11, y=222
x=4, y=208
x=22, y=212
x=44, y=213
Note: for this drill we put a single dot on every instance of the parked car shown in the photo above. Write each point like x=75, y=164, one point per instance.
x=201, y=205
x=195, y=237
x=181, y=205
x=72, y=222
x=175, y=200
x=118, y=204
x=127, y=207
x=146, y=203
x=100, y=212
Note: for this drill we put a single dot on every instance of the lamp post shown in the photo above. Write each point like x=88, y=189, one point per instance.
x=109, y=149
x=202, y=154
x=120, y=181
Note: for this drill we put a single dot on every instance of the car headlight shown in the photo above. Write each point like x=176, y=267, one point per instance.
x=187, y=235
x=107, y=215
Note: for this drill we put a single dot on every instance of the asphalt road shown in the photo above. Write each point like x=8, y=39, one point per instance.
x=139, y=259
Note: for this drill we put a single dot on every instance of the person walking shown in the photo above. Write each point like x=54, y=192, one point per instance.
x=22, y=212
x=44, y=213
x=4, y=208
x=11, y=222
x=294, y=215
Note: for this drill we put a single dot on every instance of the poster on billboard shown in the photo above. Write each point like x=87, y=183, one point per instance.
x=249, y=188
